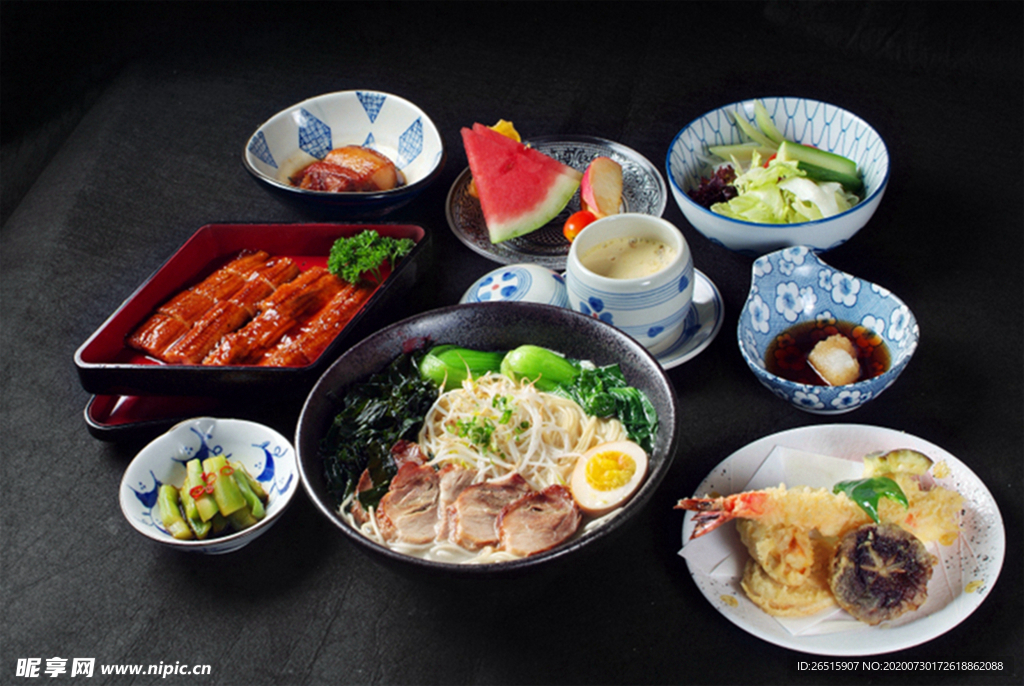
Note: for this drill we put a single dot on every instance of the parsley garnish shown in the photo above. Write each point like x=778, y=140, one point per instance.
x=363, y=255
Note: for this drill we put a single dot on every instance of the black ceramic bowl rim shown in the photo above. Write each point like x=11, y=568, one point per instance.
x=506, y=325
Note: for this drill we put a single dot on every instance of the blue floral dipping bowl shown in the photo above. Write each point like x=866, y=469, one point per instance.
x=795, y=296
x=266, y=455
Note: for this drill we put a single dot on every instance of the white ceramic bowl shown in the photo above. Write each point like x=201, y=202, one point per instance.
x=266, y=454
x=306, y=131
x=805, y=121
x=792, y=286
x=530, y=283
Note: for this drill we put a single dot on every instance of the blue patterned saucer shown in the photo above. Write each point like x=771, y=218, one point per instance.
x=702, y=324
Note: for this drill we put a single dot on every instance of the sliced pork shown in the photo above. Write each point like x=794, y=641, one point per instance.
x=538, y=521
x=453, y=481
x=473, y=517
x=408, y=511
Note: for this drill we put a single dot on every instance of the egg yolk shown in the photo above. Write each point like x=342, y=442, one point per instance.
x=610, y=470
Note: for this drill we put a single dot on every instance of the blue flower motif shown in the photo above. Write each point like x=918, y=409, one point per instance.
x=873, y=323
x=593, y=307
x=850, y=399
x=825, y=279
x=787, y=301
x=762, y=266
x=809, y=400
x=845, y=289
x=899, y=322
x=795, y=255
x=760, y=313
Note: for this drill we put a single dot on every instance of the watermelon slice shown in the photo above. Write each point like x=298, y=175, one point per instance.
x=520, y=189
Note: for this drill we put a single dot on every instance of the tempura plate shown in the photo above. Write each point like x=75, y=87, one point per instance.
x=970, y=566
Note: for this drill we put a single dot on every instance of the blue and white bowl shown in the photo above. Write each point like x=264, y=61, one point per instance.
x=809, y=122
x=307, y=131
x=794, y=285
x=530, y=283
x=267, y=455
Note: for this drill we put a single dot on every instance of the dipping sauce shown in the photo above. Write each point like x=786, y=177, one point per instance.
x=786, y=357
x=628, y=258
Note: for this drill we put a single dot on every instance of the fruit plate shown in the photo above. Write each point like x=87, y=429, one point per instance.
x=643, y=191
x=964, y=576
x=107, y=366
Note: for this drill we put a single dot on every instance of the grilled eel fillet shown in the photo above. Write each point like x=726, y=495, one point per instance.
x=174, y=318
x=280, y=313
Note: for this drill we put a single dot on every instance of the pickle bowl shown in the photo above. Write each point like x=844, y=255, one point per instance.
x=266, y=456
x=307, y=131
x=793, y=290
x=808, y=122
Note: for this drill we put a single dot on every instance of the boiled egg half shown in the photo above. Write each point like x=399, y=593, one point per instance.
x=607, y=475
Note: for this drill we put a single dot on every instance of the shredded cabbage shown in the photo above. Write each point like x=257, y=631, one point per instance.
x=780, y=193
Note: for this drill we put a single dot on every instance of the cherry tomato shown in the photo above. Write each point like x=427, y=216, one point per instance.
x=576, y=223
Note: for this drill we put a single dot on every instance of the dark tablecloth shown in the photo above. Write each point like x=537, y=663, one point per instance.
x=123, y=129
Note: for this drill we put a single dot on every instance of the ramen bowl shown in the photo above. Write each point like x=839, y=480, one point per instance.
x=809, y=122
x=305, y=132
x=266, y=455
x=489, y=326
x=793, y=289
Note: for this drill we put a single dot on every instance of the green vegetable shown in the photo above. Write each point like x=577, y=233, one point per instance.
x=225, y=490
x=604, y=392
x=363, y=255
x=373, y=415
x=253, y=503
x=752, y=132
x=200, y=528
x=170, y=514
x=449, y=365
x=780, y=194
x=742, y=154
x=867, y=492
x=546, y=369
x=765, y=123
x=205, y=504
x=821, y=165
x=255, y=485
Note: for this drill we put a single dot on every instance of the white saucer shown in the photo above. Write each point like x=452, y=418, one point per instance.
x=701, y=328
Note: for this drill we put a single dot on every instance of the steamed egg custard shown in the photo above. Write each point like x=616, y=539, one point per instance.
x=606, y=476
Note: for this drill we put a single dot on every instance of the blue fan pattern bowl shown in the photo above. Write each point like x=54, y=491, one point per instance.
x=794, y=285
x=809, y=122
x=307, y=131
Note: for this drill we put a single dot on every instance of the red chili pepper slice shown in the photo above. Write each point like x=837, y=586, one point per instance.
x=197, y=491
x=227, y=470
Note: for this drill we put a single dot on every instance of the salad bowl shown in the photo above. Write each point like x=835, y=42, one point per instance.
x=305, y=132
x=809, y=122
x=793, y=286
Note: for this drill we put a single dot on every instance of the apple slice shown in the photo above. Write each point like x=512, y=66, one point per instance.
x=601, y=187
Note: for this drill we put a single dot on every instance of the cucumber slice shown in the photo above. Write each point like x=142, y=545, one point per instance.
x=794, y=152
x=765, y=123
x=821, y=165
x=742, y=152
x=751, y=131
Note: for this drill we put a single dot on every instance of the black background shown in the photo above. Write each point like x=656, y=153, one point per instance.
x=122, y=129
